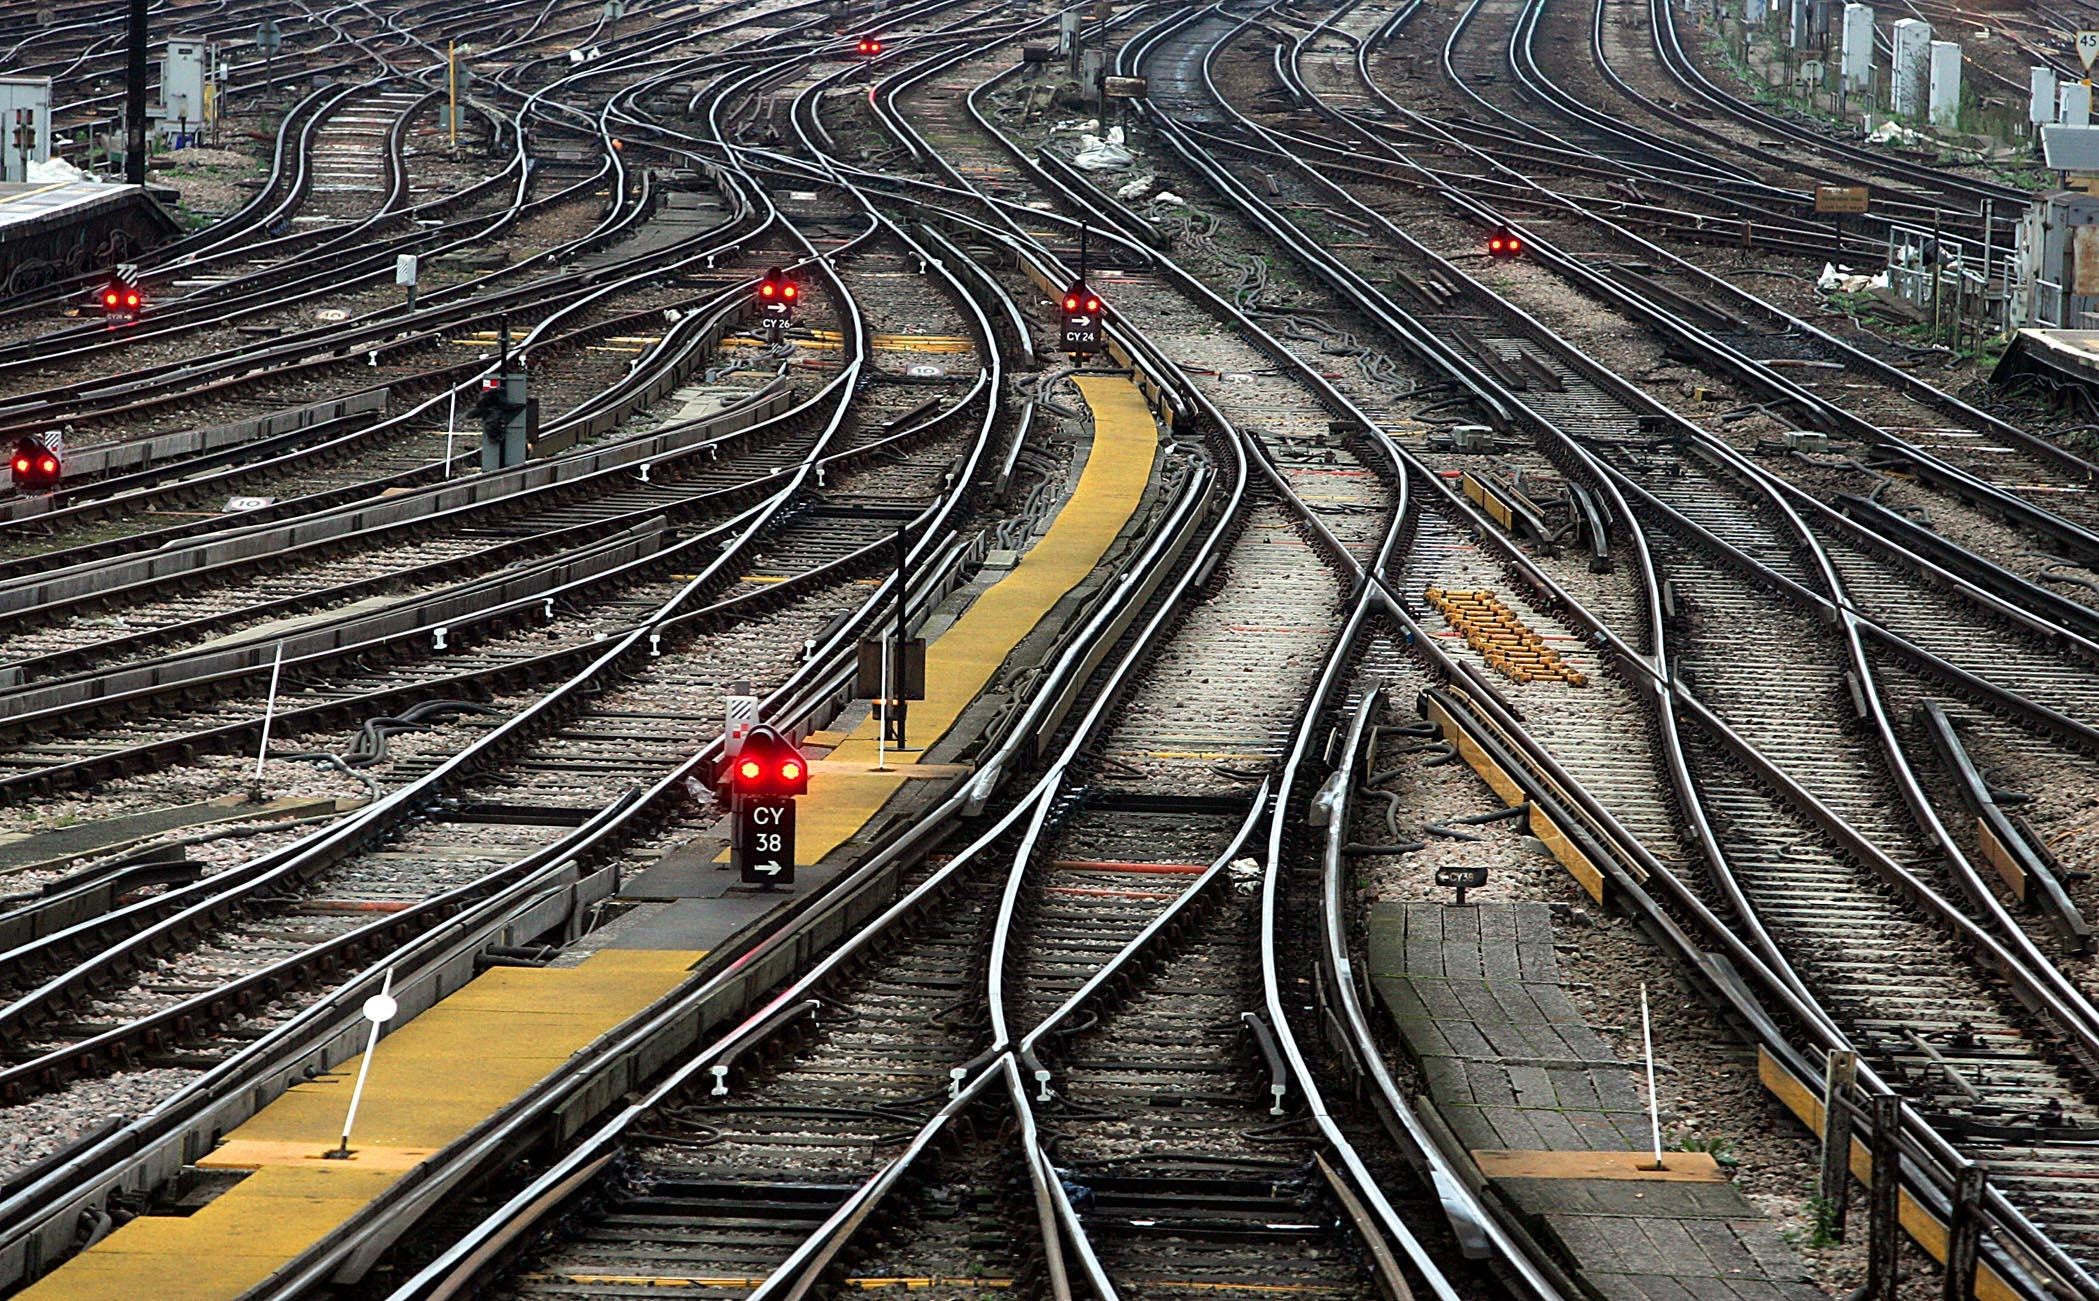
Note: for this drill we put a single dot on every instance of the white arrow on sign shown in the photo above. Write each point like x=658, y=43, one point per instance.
x=766, y=869
x=2088, y=48
x=1081, y=322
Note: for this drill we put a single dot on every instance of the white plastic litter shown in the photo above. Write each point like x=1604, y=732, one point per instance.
x=1169, y=197
x=1102, y=155
x=1892, y=132
x=1088, y=124
x=1136, y=189
x=56, y=171
x=1851, y=282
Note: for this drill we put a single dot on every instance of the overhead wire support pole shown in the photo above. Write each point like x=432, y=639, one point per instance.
x=135, y=98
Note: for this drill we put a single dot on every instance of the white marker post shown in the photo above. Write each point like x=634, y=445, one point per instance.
x=882, y=715
x=1654, y=1102
x=378, y=1009
x=451, y=423
x=269, y=713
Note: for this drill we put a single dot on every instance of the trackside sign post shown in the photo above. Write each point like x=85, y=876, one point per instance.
x=763, y=841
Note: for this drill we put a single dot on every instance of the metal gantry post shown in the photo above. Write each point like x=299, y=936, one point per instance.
x=135, y=98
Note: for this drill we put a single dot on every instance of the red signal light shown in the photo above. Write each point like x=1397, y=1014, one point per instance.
x=768, y=766
x=35, y=465
x=131, y=299
x=1093, y=304
x=110, y=299
x=768, y=289
x=1071, y=303
x=789, y=292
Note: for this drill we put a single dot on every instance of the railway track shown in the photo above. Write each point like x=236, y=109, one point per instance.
x=1580, y=415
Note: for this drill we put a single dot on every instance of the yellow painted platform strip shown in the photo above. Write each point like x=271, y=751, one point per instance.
x=961, y=661
x=30, y=194
x=432, y=1080
x=1678, y=1167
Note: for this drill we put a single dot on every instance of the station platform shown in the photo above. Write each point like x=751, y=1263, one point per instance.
x=53, y=229
x=1555, y=1121
x=2060, y=355
x=436, y=1077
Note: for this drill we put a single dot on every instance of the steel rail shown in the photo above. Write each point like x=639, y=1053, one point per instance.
x=2007, y=1216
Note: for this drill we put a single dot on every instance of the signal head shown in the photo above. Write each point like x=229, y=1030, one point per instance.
x=1504, y=244
x=768, y=765
x=35, y=465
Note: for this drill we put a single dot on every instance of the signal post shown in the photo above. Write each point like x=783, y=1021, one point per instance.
x=763, y=776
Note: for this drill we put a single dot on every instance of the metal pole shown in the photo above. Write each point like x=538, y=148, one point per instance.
x=135, y=99
x=1938, y=260
x=1884, y=1228
x=1989, y=246
x=903, y=630
x=882, y=705
x=1964, y=1234
x=451, y=423
x=364, y=1068
x=452, y=88
x=1834, y=1186
x=1654, y=1103
x=269, y=713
